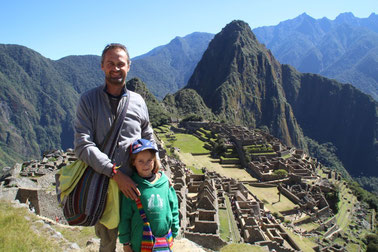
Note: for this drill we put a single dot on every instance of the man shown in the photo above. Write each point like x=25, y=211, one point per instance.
x=96, y=111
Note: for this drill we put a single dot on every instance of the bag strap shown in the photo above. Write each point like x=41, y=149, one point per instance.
x=148, y=238
x=149, y=241
x=141, y=210
x=114, y=130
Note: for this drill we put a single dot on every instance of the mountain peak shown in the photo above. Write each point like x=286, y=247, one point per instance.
x=237, y=29
x=238, y=26
x=238, y=77
x=346, y=17
x=235, y=41
x=304, y=15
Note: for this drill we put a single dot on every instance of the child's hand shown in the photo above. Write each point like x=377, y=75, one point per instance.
x=127, y=248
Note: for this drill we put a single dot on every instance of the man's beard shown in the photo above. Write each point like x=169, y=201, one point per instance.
x=115, y=81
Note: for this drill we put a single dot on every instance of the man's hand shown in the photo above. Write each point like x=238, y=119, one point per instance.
x=126, y=185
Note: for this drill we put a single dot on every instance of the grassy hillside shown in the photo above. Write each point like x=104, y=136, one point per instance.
x=16, y=221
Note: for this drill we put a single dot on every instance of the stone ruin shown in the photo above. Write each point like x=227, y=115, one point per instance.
x=33, y=183
x=201, y=197
x=255, y=227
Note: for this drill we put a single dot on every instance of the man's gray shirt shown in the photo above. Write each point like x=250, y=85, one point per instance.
x=93, y=121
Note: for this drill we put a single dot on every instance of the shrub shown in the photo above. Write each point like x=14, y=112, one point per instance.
x=192, y=117
x=219, y=148
x=281, y=173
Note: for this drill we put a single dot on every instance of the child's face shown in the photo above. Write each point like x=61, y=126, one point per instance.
x=144, y=163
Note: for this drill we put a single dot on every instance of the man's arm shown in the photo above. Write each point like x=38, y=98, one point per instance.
x=86, y=149
x=85, y=146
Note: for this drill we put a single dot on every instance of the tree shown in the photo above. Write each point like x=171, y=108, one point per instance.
x=372, y=242
x=219, y=148
x=281, y=173
x=192, y=117
x=333, y=199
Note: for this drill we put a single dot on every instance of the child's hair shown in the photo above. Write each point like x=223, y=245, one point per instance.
x=153, y=153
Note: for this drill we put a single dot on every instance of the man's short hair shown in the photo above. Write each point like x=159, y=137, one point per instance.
x=114, y=46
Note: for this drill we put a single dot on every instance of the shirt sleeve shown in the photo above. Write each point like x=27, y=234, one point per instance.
x=175, y=213
x=124, y=228
x=85, y=147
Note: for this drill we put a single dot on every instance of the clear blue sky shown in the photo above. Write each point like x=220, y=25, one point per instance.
x=58, y=28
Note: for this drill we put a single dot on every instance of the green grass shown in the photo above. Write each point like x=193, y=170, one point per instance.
x=213, y=165
x=224, y=224
x=195, y=170
x=235, y=234
x=304, y=244
x=79, y=235
x=352, y=247
x=17, y=234
x=208, y=132
x=286, y=156
x=343, y=218
x=309, y=226
x=189, y=144
x=162, y=129
x=165, y=127
x=263, y=153
x=185, y=142
x=202, y=134
x=345, y=205
x=234, y=247
x=230, y=158
x=270, y=194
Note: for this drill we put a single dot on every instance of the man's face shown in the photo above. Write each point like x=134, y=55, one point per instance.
x=115, y=67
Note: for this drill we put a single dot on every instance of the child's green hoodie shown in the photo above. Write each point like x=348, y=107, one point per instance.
x=161, y=206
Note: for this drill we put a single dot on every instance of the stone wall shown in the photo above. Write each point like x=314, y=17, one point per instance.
x=274, y=245
x=206, y=227
x=213, y=242
x=49, y=207
x=29, y=197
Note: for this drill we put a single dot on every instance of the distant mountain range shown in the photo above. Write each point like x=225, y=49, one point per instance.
x=168, y=68
x=345, y=49
x=38, y=99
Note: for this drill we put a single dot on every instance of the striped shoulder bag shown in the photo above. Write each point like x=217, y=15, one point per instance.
x=83, y=198
x=149, y=241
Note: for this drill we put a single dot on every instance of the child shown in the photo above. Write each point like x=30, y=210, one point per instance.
x=158, y=199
